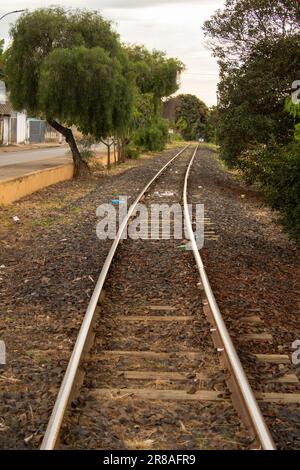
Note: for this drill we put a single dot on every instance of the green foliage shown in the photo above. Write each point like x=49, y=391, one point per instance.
x=85, y=146
x=144, y=109
x=154, y=136
x=191, y=116
x=156, y=73
x=241, y=25
x=252, y=98
x=257, y=43
x=294, y=110
x=93, y=102
x=277, y=169
x=211, y=127
x=176, y=137
x=132, y=152
x=157, y=76
x=70, y=66
x=1, y=59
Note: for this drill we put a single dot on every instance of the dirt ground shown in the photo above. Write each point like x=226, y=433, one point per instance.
x=254, y=270
x=49, y=263
x=50, y=260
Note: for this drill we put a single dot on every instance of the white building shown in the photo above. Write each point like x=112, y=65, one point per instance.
x=13, y=125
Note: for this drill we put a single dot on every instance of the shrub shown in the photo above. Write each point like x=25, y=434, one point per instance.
x=176, y=137
x=153, y=137
x=277, y=169
x=85, y=145
x=132, y=152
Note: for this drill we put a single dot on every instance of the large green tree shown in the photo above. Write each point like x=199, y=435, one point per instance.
x=156, y=73
x=236, y=29
x=70, y=68
x=252, y=98
x=157, y=77
x=257, y=44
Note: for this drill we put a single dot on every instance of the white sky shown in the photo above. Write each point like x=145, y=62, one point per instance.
x=173, y=26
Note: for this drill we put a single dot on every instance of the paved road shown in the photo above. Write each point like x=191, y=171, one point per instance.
x=23, y=156
x=22, y=162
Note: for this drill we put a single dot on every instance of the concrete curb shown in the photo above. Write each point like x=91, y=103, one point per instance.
x=13, y=189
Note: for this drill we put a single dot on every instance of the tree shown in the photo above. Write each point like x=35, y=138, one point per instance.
x=191, y=116
x=157, y=76
x=259, y=62
x=235, y=30
x=156, y=73
x=1, y=59
x=109, y=142
x=252, y=98
x=212, y=122
x=70, y=68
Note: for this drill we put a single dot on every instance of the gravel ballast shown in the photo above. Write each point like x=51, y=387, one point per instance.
x=254, y=270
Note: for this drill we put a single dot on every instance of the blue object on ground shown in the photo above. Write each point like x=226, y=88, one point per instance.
x=117, y=202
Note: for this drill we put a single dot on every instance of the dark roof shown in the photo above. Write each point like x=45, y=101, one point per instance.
x=5, y=109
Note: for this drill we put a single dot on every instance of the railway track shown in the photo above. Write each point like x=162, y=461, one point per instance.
x=153, y=365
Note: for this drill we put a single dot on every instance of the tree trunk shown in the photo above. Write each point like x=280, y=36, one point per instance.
x=115, y=154
x=123, y=156
x=124, y=143
x=108, y=145
x=119, y=152
x=108, y=157
x=80, y=166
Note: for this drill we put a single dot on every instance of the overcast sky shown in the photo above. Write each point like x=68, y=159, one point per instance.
x=170, y=25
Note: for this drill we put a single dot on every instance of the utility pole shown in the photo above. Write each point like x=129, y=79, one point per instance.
x=10, y=13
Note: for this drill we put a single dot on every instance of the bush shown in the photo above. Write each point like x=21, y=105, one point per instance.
x=176, y=137
x=277, y=169
x=85, y=145
x=153, y=137
x=132, y=152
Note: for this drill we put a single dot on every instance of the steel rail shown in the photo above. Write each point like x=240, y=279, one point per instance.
x=53, y=429
x=257, y=420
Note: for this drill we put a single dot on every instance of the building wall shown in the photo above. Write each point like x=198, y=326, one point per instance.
x=2, y=92
x=21, y=128
x=6, y=126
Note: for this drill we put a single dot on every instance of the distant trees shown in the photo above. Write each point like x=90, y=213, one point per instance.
x=70, y=68
x=188, y=115
x=211, y=128
x=191, y=117
x=157, y=78
x=257, y=44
